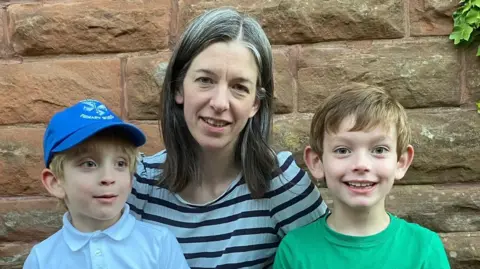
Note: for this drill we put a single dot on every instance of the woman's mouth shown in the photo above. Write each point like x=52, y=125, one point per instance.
x=215, y=122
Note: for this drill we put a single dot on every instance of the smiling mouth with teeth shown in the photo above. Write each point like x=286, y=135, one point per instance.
x=214, y=122
x=360, y=185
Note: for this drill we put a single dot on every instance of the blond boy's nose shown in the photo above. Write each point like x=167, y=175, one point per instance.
x=107, y=181
x=107, y=177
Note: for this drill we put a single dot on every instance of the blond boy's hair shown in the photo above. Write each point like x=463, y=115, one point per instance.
x=369, y=106
x=96, y=143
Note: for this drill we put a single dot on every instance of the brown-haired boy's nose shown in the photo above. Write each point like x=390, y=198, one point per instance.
x=362, y=164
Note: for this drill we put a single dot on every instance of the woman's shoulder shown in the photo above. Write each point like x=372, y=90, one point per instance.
x=287, y=166
x=150, y=166
x=283, y=156
x=156, y=158
x=289, y=173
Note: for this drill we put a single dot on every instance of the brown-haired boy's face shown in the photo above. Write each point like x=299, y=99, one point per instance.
x=360, y=167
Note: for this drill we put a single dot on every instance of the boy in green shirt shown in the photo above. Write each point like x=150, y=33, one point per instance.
x=360, y=144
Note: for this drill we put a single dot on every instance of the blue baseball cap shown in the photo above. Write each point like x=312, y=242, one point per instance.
x=79, y=122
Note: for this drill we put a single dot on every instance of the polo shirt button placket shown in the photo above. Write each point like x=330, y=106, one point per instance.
x=98, y=260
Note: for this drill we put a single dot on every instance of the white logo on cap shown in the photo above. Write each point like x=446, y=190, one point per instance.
x=91, y=106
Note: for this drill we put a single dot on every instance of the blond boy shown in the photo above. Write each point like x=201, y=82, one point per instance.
x=360, y=144
x=89, y=156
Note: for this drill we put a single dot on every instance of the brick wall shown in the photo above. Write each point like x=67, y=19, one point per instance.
x=55, y=53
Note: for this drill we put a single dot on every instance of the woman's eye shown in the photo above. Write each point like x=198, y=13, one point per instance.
x=240, y=87
x=205, y=80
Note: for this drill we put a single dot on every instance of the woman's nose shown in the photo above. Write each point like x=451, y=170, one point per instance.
x=220, y=99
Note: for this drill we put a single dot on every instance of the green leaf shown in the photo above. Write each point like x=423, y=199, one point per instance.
x=473, y=16
x=478, y=107
x=466, y=7
x=461, y=32
x=478, y=51
x=476, y=3
x=459, y=20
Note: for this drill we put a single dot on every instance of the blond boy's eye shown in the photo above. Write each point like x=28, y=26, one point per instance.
x=341, y=151
x=122, y=163
x=88, y=164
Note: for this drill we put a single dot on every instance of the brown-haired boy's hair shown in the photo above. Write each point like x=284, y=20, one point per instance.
x=369, y=106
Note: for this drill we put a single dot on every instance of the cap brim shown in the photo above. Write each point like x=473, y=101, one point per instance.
x=134, y=134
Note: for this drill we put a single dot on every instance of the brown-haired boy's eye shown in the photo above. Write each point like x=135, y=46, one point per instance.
x=380, y=150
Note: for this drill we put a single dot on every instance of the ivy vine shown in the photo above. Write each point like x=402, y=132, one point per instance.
x=466, y=23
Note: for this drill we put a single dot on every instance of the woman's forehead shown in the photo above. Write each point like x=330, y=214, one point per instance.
x=226, y=57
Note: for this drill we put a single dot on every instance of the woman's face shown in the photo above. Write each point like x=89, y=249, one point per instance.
x=218, y=95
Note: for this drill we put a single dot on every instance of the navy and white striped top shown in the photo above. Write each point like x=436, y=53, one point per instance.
x=234, y=230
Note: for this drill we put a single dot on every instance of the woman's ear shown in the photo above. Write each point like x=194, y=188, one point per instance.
x=53, y=185
x=179, y=97
x=313, y=162
x=255, y=107
x=257, y=102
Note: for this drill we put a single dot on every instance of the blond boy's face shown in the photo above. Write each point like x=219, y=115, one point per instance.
x=96, y=185
x=360, y=167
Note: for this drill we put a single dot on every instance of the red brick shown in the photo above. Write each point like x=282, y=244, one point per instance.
x=21, y=161
x=154, y=138
x=29, y=219
x=419, y=73
x=285, y=86
x=472, y=66
x=36, y=90
x=463, y=249
x=90, y=26
x=293, y=22
x=142, y=89
x=13, y=255
x=431, y=17
x=3, y=38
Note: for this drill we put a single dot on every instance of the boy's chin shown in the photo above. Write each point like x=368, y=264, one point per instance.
x=363, y=205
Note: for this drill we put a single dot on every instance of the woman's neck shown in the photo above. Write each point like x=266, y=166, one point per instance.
x=218, y=166
x=219, y=170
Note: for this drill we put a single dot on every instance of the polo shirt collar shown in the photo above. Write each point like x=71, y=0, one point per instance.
x=118, y=231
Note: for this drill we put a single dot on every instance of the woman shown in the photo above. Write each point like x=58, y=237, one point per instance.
x=218, y=186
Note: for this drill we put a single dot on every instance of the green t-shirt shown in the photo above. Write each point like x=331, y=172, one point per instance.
x=402, y=245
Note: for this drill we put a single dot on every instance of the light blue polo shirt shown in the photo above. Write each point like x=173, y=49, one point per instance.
x=126, y=244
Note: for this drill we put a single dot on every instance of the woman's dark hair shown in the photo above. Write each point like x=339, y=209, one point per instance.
x=253, y=152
